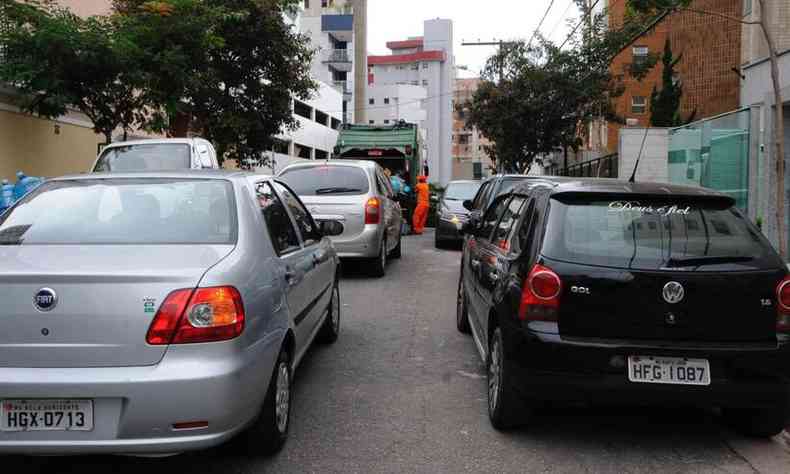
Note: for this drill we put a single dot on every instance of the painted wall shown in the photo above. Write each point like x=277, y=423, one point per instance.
x=85, y=8
x=32, y=145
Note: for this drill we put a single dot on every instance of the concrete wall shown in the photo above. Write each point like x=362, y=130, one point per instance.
x=653, y=163
x=43, y=147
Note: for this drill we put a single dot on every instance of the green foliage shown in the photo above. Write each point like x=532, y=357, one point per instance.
x=232, y=66
x=665, y=104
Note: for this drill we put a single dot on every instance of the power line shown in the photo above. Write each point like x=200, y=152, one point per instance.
x=576, y=28
x=564, y=16
x=537, y=30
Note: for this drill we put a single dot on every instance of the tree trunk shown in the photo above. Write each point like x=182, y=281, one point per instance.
x=778, y=136
x=107, y=137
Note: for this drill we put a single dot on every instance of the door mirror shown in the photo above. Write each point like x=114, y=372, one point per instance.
x=470, y=227
x=331, y=228
x=469, y=205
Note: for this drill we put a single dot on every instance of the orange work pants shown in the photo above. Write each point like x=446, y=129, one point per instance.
x=420, y=217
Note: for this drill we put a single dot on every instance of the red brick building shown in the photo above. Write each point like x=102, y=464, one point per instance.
x=710, y=46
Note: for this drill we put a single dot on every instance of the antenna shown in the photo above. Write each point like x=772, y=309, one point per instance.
x=636, y=165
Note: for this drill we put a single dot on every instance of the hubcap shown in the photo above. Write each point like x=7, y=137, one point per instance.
x=336, y=309
x=494, y=375
x=283, y=398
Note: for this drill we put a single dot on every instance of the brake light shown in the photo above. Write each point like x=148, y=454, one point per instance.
x=783, y=305
x=540, y=297
x=203, y=315
x=373, y=211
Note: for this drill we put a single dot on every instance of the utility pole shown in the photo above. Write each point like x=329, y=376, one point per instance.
x=501, y=45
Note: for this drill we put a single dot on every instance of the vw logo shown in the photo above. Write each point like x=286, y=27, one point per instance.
x=45, y=299
x=673, y=292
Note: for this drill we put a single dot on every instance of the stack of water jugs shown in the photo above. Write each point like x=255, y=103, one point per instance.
x=11, y=193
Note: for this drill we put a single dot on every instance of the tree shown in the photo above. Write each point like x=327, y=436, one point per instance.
x=57, y=60
x=665, y=104
x=233, y=66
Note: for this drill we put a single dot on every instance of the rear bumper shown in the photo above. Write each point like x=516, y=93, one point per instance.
x=135, y=407
x=366, y=244
x=550, y=368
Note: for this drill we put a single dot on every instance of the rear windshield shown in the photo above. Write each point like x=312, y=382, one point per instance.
x=654, y=234
x=461, y=191
x=324, y=180
x=123, y=211
x=151, y=157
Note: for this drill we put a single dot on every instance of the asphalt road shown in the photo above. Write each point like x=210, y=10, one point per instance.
x=403, y=391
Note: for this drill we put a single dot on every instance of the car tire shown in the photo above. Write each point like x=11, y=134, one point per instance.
x=439, y=244
x=757, y=422
x=379, y=263
x=330, y=331
x=397, y=251
x=268, y=433
x=461, y=310
x=505, y=409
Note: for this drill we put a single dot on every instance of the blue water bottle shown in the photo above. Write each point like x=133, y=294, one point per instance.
x=6, y=195
x=24, y=184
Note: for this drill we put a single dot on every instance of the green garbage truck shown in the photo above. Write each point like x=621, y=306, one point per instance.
x=395, y=147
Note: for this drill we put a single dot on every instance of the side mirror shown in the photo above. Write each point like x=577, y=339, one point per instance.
x=468, y=205
x=331, y=228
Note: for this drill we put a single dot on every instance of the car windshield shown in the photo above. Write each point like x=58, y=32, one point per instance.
x=123, y=211
x=325, y=180
x=651, y=234
x=461, y=191
x=147, y=157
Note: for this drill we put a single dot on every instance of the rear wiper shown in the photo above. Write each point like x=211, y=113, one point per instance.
x=695, y=261
x=337, y=190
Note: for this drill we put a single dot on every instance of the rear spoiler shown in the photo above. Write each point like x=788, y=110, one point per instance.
x=702, y=196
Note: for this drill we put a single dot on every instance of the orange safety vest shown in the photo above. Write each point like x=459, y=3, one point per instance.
x=423, y=194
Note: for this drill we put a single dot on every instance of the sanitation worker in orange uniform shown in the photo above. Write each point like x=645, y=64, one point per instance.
x=423, y=205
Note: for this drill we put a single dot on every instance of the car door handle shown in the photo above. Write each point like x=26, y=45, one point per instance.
x=291, y=277
x=319, y=257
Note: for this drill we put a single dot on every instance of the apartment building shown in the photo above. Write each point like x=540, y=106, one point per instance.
x=470, y=158
x=391, y=103
x=338, y=32
x=428, y=62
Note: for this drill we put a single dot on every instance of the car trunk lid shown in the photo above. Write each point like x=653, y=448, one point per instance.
x=107, y=296
x=348, y=209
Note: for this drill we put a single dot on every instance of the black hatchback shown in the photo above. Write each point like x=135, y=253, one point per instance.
x=604, y=290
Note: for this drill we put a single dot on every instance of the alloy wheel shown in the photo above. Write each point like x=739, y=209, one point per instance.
x=283, y=397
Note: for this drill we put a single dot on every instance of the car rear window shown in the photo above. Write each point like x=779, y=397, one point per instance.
x=652, y=234
x=123, y=211
x=325, y=180
x=149, y=157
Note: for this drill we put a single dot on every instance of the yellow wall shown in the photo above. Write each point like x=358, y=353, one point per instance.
x=30, y=144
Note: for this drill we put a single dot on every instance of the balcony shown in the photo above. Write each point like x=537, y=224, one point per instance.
x=344, y=87
x=337, y=23
x=340, y=59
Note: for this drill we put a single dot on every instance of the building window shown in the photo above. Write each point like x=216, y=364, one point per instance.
x=747, y=7
x=386, y=121
x=415, y=83
x=415, y=66
x=425, y=82
x=372, y=122
x=303, y=110
x=638, y=104
x=640, y=54
x=306, y=4
x=386, y=100
x=425, y=65
x=371, y=101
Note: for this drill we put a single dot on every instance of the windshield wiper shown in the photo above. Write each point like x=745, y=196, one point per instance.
x=337, y=190
x=696, y=261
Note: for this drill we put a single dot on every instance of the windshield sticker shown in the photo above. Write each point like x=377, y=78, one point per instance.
x=635, y=206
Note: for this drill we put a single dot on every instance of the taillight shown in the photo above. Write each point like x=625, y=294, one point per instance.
x=373, y=211
x=540, y=297
x=201, y=315
x=783, y=305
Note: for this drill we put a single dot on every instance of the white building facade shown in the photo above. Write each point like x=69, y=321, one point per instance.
x=338, y=32
x=426, y=62
x=391, y=103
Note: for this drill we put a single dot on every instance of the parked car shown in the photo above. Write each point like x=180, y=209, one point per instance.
x=451, y=214
x=358, y=194
x=489, y=190
x=151, y=313
x=165, y=154
x=585, y=290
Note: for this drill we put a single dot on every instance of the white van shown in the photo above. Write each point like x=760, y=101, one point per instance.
x=163, y=154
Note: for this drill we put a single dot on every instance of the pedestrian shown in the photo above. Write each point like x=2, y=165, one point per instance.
x=423, y=205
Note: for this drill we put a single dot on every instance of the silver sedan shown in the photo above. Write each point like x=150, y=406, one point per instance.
x=157, y=313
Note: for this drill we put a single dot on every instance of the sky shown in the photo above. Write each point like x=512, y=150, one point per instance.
x=473, y=20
